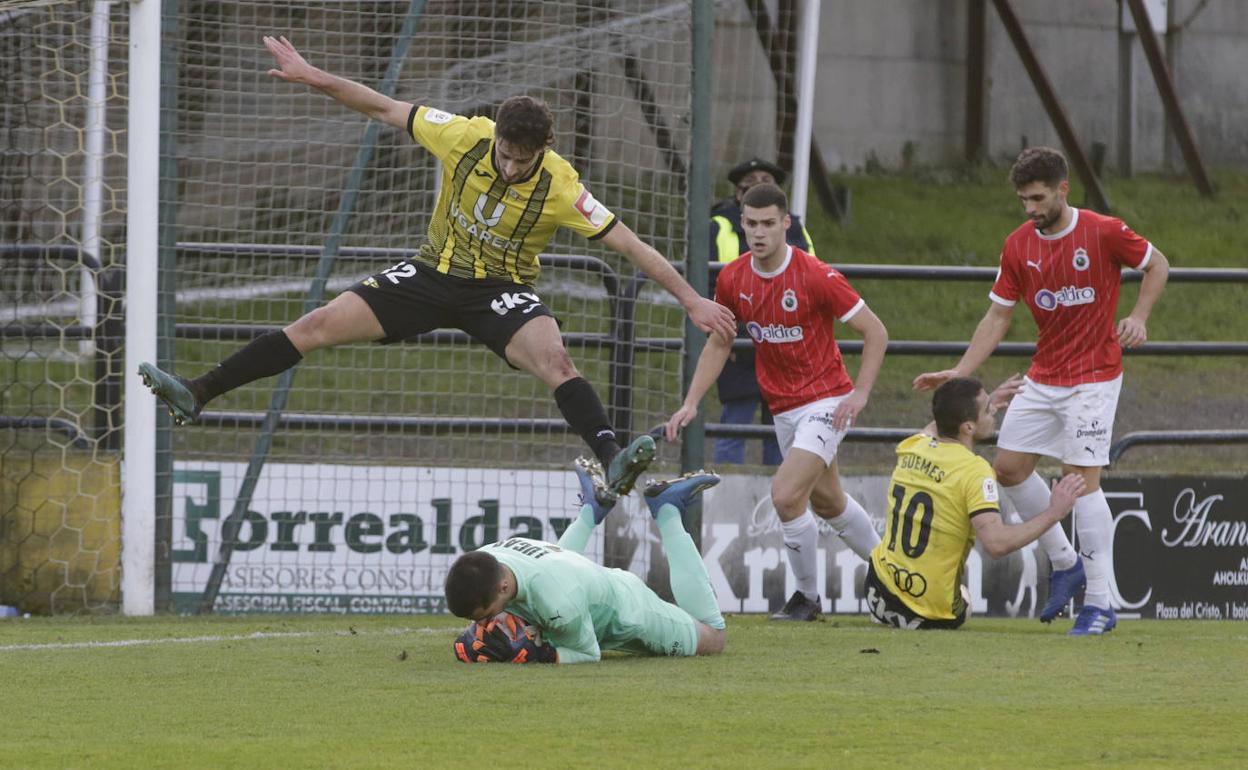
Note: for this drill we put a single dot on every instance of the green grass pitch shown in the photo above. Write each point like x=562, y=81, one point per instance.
x=332, y=692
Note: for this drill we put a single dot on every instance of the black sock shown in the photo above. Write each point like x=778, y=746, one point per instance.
x=584, y=412
x=266, y=355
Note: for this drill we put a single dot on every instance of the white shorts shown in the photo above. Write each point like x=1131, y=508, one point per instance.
x=1073, y=424
x=809, y=427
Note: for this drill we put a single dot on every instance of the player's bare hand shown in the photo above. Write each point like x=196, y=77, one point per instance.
x=1001, y=395
x=1066, y=492
x=847, y=411
x=291, y=66
x=1131, y=332
x=933, y=380
x=713, y=318
x=680, y=419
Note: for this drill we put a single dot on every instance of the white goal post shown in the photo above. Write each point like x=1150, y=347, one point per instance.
x=138, y=497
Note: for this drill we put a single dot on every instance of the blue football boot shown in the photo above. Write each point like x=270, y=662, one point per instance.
x=1064, y=584
x=678, y=492
x=1093, y=621
x=594, y=488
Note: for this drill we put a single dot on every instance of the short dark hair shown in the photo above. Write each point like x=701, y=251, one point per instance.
x=526, y=122
x=1039, y=164
x=760, y=196
x=956, y=402
x=471, y=582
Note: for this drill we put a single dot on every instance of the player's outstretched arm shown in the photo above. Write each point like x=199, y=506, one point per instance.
x=708, y=315
x=571, y=655
x=1133, y=330
x=1000, y=538
x=988, y=334
x=874, y=343
x=710, y=364
x=293, y=68
x=577, y=641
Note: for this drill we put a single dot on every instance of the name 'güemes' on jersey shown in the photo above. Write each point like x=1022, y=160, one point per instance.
x=484, y=228
x=937, y=487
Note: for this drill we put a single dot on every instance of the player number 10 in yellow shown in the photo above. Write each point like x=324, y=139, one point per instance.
x=920, y=499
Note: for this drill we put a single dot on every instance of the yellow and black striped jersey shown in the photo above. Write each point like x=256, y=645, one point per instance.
x=935, y=490
x=484, y=228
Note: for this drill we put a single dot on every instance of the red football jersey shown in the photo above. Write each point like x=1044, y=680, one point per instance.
x=1070, y=282
x=789, y=315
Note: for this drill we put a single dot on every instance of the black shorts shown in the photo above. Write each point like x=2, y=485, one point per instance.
x=887, y=608
x=413, y=298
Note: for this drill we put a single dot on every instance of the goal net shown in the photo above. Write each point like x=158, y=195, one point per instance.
x=62, y=219
x=387, y=462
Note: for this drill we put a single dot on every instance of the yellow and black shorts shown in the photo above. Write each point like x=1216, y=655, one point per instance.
x=412, y=298
x=887, y=608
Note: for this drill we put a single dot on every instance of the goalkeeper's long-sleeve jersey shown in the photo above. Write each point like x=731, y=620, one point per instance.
x=581, y=607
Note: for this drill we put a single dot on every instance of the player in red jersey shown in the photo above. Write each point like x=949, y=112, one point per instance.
x=788, y=300
x=1065, y=265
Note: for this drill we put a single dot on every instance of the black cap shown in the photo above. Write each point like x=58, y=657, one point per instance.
x=756, y=164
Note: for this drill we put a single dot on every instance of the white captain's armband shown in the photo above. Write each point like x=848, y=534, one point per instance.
x=594, y=212
x=437, y=117
x=991, y=494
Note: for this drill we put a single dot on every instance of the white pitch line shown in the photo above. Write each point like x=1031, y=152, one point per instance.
x=258, y=635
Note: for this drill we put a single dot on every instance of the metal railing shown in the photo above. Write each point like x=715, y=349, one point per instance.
x=893, y=435
x=1177, y=438
x=622, y=297
x=987, y=274
x=67, y=428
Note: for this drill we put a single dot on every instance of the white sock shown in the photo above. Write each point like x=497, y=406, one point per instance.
x=801, y=543
x=855, y=528
x=1095, y=523
x=1031, y=498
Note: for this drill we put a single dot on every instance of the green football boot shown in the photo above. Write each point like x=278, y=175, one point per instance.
x=174, y=391
x=626, y=467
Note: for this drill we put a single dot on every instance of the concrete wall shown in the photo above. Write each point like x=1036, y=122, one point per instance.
x=890, y=72
x=893, y=72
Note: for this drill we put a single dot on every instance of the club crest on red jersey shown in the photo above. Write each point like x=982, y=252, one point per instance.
x=789, y=300
x=1080, y=260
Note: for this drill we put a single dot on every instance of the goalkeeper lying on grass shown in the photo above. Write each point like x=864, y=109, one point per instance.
x=579, y=608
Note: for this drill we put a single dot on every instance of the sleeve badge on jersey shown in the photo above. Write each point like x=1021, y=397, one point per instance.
x=595, y=213
x=437, y=117
x=1080, y=260
x=990, y=491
